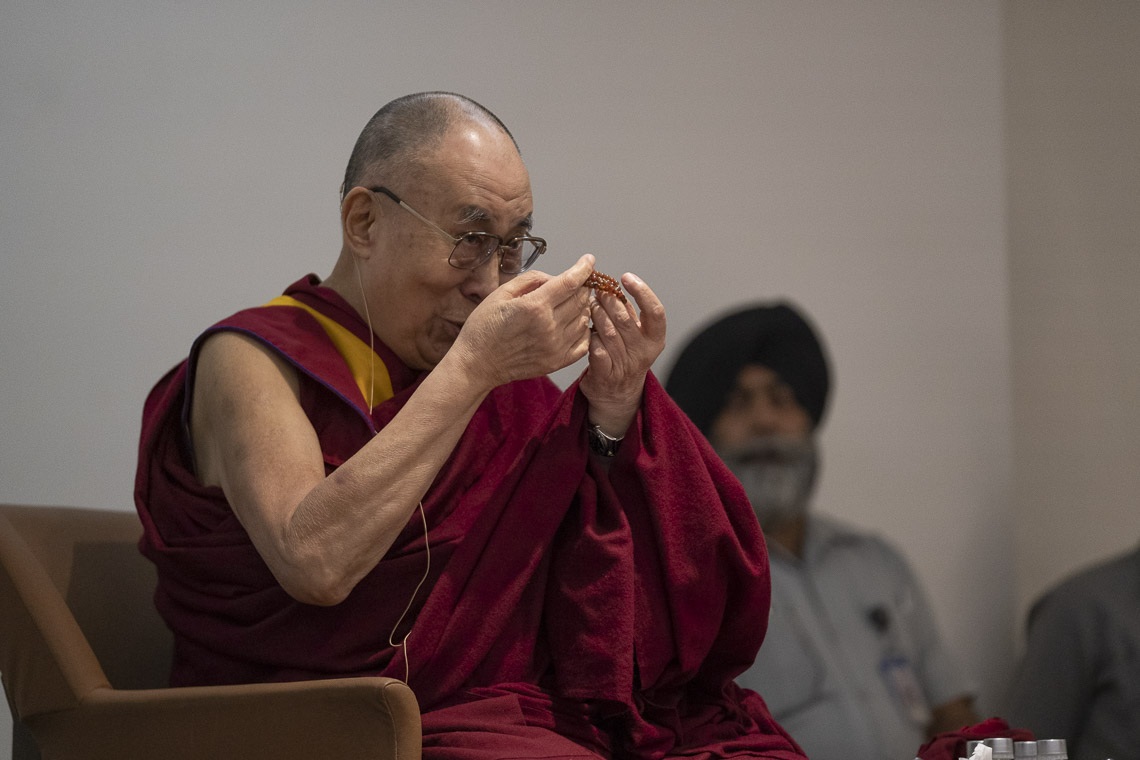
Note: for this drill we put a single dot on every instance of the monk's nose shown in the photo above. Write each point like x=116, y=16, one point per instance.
x=482, y=280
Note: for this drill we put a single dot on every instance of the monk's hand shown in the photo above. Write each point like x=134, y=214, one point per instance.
x=623, y=347
x=529, y=326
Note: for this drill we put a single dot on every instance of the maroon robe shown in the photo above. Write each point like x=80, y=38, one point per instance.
x=561, y=601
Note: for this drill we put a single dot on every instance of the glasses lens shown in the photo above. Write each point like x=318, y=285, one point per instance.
x=473, y=249
x=520, y=254
x=515, y=256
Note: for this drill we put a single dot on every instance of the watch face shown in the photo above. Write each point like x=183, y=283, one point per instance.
x=602, y=444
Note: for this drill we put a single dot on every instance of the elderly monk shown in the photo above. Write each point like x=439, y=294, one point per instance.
x=853, y=665
x=372, y=475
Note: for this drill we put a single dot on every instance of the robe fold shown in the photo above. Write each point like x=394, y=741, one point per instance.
x=567, y=611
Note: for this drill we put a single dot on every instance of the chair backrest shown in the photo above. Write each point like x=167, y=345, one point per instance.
x=77, y=616
x=106, y=628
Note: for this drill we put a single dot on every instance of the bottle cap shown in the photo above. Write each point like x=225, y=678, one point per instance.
x=1002, y=747
x=1052, y=749
x=1024, y=749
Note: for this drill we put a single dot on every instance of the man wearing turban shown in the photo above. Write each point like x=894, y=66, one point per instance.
x=853, y=665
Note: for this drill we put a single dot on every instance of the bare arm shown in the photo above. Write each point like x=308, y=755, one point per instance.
x=319, y=535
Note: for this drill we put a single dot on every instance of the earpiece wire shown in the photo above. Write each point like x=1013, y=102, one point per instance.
x=423, y=515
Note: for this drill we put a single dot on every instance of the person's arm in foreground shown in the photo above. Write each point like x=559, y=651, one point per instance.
x=320, y=535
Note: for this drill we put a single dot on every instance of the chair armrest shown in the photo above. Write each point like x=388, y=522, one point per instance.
x=349, y=718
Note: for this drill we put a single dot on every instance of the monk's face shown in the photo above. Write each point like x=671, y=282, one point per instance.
x=474, y=181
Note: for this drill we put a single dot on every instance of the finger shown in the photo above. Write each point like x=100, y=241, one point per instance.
x=616, y=322
x=652, y=316
x=581, y=269
x=601, y=357
x=524, y=283
x=606, y=328
x=620, y=310
x=569, y=282
x=563, y=293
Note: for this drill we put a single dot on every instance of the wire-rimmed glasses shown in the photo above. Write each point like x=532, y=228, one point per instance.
x=473, y=249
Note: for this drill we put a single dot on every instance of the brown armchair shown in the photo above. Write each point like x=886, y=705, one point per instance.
x=84, y=659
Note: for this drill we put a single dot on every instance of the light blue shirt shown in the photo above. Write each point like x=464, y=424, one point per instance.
x=852, y=658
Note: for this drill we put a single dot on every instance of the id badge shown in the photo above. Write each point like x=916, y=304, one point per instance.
x=904, y=686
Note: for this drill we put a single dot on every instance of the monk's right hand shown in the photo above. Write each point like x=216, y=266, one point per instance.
x=530, y=326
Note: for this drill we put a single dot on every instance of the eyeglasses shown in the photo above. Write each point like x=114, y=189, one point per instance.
x=473, y=249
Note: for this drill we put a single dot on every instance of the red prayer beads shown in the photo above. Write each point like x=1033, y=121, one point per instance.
x=606, y=284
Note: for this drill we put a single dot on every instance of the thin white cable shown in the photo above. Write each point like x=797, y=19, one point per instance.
x=423, y=515
x=427, y=568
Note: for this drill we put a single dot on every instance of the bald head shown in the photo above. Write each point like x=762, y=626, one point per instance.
x=408, y=128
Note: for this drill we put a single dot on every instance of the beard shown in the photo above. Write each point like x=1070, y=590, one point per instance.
x=778, y=475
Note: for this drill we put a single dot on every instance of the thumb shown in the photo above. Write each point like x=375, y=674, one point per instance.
x=524, y=283
x=574, y=277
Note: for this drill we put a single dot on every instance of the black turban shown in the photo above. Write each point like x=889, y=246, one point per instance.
x=776, y=337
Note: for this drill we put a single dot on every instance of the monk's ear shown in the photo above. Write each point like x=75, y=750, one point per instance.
x=357, y=215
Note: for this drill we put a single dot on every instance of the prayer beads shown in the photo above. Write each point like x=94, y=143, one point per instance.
x=605, y=284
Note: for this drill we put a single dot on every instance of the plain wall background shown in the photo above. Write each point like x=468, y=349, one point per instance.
x=167, y=164
x=1073, y=108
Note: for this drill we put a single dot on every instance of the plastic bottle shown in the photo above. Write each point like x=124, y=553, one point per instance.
x=1052, y=749
x=1002, y=747
x=1025, y=750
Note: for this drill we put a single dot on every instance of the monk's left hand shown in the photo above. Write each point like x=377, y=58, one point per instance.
x=623, y=347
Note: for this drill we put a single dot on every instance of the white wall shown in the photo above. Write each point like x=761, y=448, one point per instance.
x=1073, y=109
x=165, y=164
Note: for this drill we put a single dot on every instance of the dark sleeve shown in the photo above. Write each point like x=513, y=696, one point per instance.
x=1053, y=684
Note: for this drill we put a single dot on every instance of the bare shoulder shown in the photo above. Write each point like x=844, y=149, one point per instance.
x=243, y=392
x=230, y=358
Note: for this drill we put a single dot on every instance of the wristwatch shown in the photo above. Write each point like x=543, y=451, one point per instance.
x=603, y=444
